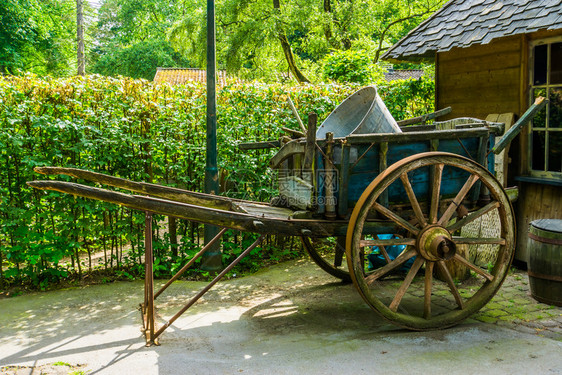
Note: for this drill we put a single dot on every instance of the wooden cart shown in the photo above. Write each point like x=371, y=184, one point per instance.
x=344, y=197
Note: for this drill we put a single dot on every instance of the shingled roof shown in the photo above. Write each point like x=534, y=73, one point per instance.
x=462, y=23
x=178, y=76
x=393, y=75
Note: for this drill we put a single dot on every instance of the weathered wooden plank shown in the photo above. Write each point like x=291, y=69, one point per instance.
x=479, y=92
x=259, y=145
x=344, y=181
x=541, y=202
x=499, y=46
x=461, y=79
x=415, y=136
x=205, y=215
x=480, y=109
x=539, y=103
x=429, y=116
x=175, y=194
x=502, y=159
x=310, y=147
x=329, y=179
x=296, y=133
x=476, y=64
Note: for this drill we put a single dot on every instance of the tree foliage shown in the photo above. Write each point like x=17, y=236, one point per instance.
x=37, y=36
x=139, y=60
x=263, y=39
x=131, y=38
x=351, y=66
x=249, y=32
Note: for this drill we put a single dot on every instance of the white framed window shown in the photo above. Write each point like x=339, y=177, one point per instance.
x=545, y=143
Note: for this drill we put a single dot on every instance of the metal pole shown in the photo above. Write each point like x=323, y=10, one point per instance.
x=212, y=259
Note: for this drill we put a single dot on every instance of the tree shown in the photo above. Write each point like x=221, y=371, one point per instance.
x=252, y=36
x=131, y=37
x=257, y=37
x=37, y=36
x=139, y=60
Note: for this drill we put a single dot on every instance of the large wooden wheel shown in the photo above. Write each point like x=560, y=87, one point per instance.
x=431, y=223
x=329, y=254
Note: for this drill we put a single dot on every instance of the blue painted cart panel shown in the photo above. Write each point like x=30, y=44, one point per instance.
x=368, y=167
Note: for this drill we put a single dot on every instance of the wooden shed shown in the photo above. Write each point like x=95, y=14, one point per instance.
x=495, y=57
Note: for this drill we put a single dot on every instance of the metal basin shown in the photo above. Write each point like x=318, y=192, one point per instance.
x=361, y=113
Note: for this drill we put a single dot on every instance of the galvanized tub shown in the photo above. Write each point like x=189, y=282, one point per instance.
x=363, y=112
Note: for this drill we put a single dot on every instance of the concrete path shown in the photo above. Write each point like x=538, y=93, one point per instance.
x=289, y=319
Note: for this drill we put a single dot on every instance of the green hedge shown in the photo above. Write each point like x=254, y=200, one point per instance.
x=144, y=132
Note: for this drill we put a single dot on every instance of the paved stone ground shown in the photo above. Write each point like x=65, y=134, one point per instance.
x=513, y=307
x=289, y=318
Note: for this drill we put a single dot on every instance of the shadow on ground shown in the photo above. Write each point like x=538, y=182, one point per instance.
x=290, y=318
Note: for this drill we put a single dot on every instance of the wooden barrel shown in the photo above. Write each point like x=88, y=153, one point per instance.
x=545, y=260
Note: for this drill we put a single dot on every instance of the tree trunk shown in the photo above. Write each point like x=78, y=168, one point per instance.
x=80, y=37
x=291, y=59
x=327, y=26
x=328, y=33
x=287, y=50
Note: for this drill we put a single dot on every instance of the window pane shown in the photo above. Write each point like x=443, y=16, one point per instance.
x=538, y=150
x=555, y=63
x=555, y=115
x=555, y=151
x=539, y=76
x=539, y=121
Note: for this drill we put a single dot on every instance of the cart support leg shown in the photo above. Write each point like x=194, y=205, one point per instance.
x=148, y=309
x=148, y=321
x=208, y=287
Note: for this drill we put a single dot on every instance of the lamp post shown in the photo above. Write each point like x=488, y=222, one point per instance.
x=212, y=259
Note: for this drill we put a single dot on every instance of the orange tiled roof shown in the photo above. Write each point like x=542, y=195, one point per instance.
x=177, y=76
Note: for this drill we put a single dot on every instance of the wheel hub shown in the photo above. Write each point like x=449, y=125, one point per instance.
x=434, y=243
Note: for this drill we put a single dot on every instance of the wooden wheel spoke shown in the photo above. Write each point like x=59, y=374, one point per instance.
x=458, y=199
x=427, y=289
x=473, y=267
x=473, y=216
x=385, y=254
x=394, y=217
x=406, y=284
x=381, y=244
x=377, y=274
x=435, y=192
x=478, y=241
x=413, y=199
x=390, y=242
x=340, y=251
x=441, y=264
